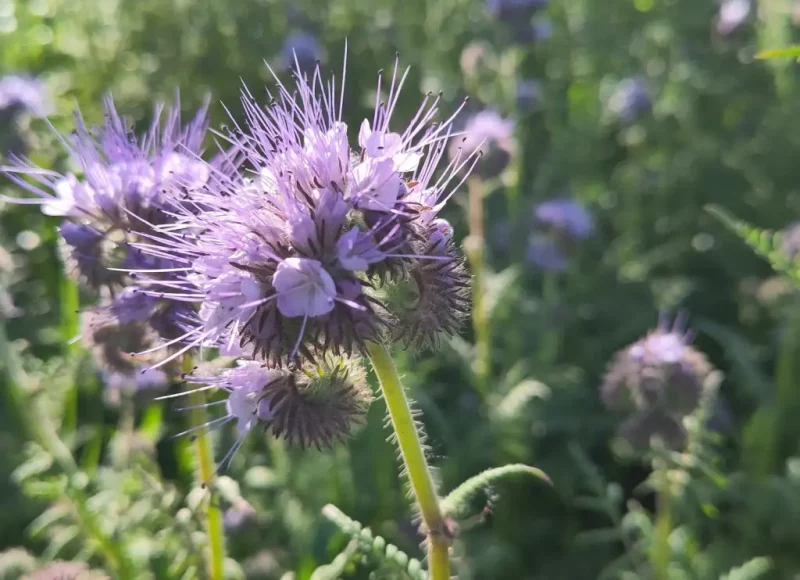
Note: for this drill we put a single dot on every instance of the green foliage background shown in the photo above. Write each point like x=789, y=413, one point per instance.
x=724, y=130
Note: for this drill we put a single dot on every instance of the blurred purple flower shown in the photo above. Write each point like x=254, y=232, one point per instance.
x=526, y=33
x=732, y=14
x=23, y=94
x=514, y=11
x=124, y=177
x=302, y=46
x=490, y=133
x=660, y=375
x=546, y=254
x=630, y=100
x=239, y=516
x=529, y=94
x=568, y=219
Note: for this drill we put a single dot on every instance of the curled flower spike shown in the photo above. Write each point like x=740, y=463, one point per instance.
x=291, y=259
x=313, y=406
x=436, y=297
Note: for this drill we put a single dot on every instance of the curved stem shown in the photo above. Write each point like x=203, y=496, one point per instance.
x=205, y=471
x=419, y=474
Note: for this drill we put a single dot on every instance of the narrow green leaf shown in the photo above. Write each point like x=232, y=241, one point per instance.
x=789, y=51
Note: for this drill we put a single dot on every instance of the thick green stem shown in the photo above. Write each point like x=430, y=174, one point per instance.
x=475, y=254
x=205, y=471
x=419, y=474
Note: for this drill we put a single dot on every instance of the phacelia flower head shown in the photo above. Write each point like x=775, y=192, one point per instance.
x=630, y=100
x=293, y=259
x=314, y=405
x=489, y=132
x=660, y=375
x=126, y=185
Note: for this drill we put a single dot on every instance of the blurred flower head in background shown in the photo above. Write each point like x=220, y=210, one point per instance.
x=514, y=12
x=656, y=382
x=566, y=219
x=127, y=184
x=21, y=97
x=560, y=224
x=546, y=254
x=22, y=94
x=300, y=49
x=491, y=134
x=732, y=14
x=630, y=100
x=538, y=31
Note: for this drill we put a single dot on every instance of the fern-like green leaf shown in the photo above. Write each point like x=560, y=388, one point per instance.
x=338, y=565
x=457, y=503
x=766, y=243
x=374, y=548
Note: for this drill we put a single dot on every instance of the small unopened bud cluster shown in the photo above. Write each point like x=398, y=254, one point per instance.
x=655, y=383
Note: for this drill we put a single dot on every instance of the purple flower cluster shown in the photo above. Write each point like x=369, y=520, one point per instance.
x=655, y=383
x=561, y=224
x=293, y=254
x=306, y=253
x=126, y=189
